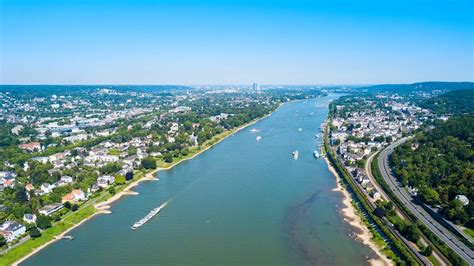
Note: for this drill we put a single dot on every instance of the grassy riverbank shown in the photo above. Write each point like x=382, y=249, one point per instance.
x=100, y=203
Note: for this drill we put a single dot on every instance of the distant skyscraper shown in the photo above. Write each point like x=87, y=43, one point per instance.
x=256, y=87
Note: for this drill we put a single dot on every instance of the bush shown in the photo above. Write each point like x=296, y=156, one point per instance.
x=34, y=232
x=74, y=207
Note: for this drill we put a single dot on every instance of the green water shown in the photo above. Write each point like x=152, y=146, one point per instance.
x=243, y=202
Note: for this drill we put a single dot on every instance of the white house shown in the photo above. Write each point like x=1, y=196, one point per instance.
x=105, y=180
x=11, y=230
x=46, y=188
x=66, y=179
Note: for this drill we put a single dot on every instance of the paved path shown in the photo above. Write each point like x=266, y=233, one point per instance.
x=407, y=199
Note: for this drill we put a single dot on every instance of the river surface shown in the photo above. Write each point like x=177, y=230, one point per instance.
x=241, y=202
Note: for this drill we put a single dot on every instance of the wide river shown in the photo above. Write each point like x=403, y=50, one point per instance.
x=241, y=202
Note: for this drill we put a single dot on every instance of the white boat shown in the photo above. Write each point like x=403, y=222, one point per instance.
x=253, y=130
x=150, y=215
x=311, y=114
x=300, y=129
x=316, y=136
x=316, y=154
x=296, y=154
x=259, y=138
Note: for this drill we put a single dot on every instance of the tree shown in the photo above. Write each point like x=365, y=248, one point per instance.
x=43, y=222
x=3, y=241
x=112, y=190
x=149, y=163
x=129, y=176
x=379, y=212
x=429, y=195
x=168, y=157
x=34, y=232
x=74, y=207
x=412, y=233
x=110, y=168
x=21, y=195
x=67, y=205
x=428, y=250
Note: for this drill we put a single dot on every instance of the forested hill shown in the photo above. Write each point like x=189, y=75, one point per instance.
x=453, y=102
x=440, y=163
x=420, y=86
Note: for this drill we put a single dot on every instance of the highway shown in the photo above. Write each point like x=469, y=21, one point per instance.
x=436, y=254
x=407, y=199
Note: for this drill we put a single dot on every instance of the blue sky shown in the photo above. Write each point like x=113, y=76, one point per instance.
x=239, y=42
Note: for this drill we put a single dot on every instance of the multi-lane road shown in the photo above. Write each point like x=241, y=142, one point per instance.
x=407, y=199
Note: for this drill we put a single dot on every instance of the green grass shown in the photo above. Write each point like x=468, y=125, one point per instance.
x=469, y=232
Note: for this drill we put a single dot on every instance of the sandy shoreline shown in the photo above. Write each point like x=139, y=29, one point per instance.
x=352, y=217
x=103, y=207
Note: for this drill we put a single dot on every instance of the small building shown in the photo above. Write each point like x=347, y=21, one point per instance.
x=51, y=208
x=29, y=187
x=74, y=196
x=29, y=218
x=66, y=179
x=463, y=199
x=105, y=180
x=41, y=159
x=46, y=188
x=32, y=146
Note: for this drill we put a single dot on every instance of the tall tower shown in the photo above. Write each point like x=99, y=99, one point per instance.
x=256, y=87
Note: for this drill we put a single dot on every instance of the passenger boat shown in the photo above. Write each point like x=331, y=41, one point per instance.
x=316, y=154
x=296, y=155
x=150, y=215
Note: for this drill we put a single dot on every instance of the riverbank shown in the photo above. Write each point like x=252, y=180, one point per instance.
x=352, y=217
x=102, y=207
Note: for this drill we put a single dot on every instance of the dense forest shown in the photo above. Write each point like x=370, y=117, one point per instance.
x=420, y=86
x=453, y=102
x=440, y=163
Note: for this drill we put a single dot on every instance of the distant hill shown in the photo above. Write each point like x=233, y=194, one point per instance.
x=420, y=86
x=453, y=102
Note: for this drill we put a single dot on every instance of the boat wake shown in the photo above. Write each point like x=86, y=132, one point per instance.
x=150, y=215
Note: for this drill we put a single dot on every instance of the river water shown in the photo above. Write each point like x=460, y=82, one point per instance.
x=241, y=202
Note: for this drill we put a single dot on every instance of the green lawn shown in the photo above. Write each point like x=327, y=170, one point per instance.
x=469, y=232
